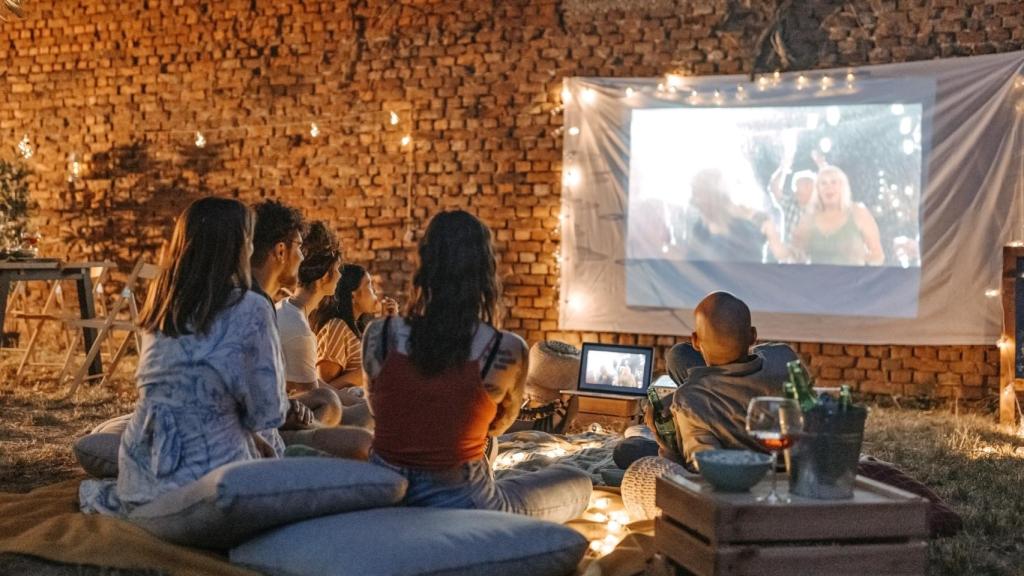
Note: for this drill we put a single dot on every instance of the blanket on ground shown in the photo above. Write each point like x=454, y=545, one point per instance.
x=46, y=523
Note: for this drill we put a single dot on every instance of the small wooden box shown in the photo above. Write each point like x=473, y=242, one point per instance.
x=881, y=530
x=612, y=405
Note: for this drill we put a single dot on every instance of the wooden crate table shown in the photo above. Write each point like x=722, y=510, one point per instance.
x=881, y=530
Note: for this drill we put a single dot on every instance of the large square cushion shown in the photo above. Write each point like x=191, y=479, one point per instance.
x=404, y=541
x=235, y=502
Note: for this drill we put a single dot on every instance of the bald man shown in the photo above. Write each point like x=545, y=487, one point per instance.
x=717, y=373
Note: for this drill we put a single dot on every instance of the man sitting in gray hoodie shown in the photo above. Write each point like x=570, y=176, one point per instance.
x=717, y=373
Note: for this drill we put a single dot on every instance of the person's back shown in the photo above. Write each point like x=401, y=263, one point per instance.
x=441, y=420
x=442, y=379
x=211, y=385
x=188, y=420
x=710, y=406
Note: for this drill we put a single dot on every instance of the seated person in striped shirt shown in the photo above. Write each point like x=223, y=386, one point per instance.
x=339, y=355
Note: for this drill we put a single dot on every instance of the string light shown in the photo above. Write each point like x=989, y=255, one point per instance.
x=74, y=167
x=200, y=140
x=741, y=93
x=826, y=82
x=571, y=178
x=630, y=92
x=25, y=147
x=589, y=95
x=694, y=97
x=566, y=95
x=406, y=140
x=1003, y=343
x=394, y=118
x=314, y=130
x=1016, y=244
x=849, y=79
x=574, y=131
x=991, y=293
x=801, y=82
x=674, y=80
x=602, y=503
x=718, y=98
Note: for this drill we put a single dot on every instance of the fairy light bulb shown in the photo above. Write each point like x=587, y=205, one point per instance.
x=314, y=130
x=25, y=147
x=602, y=503
x=566, y=95
x=200, y=140
x=394, y=118
x=574, y=131
x=630, y=92
x=991, y=293
x=406, y=140
x=74, y=167
x=589, y=95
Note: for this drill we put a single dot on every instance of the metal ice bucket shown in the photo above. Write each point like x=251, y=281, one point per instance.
x=824, y=458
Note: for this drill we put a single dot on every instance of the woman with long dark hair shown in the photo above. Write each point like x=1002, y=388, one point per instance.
x=211, y=384
x=339, y=334
x=444, y=378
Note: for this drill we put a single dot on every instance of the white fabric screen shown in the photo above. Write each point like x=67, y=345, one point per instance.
x=950, y=179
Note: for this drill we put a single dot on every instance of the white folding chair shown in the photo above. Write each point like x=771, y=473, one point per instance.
x=55, y=311
x=123, y=315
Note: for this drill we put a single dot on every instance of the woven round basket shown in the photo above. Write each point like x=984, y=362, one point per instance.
x=638, y=485
x=554, y=366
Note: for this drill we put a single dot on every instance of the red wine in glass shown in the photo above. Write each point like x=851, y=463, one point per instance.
x=773, y=441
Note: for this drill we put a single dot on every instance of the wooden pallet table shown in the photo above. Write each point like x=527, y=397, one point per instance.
x=881, y=530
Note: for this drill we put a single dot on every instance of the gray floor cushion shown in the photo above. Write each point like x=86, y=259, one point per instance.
x=235, y=502
x=97, y=451
x=405, y=541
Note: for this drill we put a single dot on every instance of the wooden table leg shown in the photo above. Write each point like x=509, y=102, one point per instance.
x=87, y=309
x=5, y=288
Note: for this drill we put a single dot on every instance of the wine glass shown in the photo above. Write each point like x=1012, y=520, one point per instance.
x=774, y=422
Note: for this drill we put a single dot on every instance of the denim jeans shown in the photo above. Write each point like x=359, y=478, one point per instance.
x=557, y=493
x=680, y=359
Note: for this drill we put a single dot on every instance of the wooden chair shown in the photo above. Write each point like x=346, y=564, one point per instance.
x=123, y=315
x=55, y=311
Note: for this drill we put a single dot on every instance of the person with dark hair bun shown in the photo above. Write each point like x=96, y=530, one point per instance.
x=444, y=378
x=339, y=355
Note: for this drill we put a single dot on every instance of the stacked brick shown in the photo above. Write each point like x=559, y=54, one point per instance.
x=126, y=85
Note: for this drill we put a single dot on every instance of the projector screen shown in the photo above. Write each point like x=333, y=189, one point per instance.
x=843, y=206
x=816, y=186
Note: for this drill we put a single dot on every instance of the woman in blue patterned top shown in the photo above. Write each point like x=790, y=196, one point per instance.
x=211, y=386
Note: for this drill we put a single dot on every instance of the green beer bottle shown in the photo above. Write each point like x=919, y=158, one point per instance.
x=664, y=426
x=802, y=383
x=845, y=398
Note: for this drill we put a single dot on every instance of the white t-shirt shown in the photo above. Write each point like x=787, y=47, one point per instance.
x=298, y=343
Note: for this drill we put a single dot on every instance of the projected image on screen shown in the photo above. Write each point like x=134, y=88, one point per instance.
x=620, y=369
x=803, y=185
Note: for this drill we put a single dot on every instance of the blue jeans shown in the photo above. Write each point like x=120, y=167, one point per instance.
x=680, y=359
x=557, y=493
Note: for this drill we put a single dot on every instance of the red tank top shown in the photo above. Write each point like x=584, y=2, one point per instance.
x=434, y=422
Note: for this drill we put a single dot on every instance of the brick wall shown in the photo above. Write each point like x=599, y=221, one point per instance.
x=125, y=86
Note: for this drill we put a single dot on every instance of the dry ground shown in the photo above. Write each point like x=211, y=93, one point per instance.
x=977, y=468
